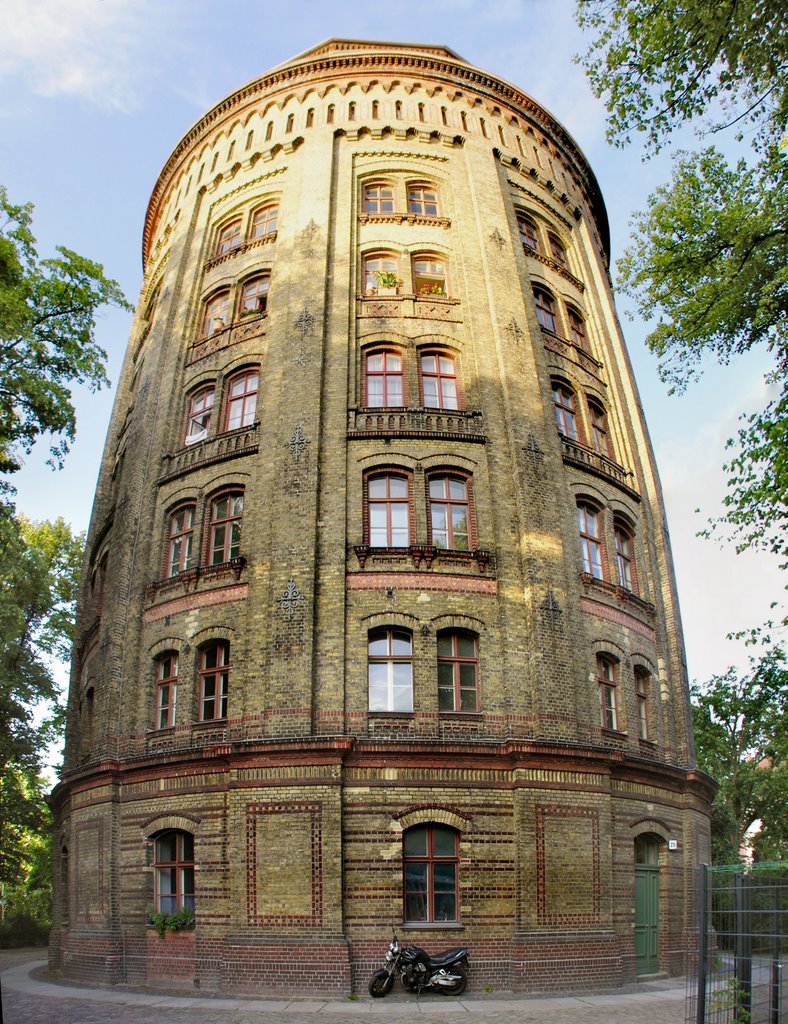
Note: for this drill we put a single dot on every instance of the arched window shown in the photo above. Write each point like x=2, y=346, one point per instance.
x=242, y=399
x=310, y=117
x=379, y=197
x=529, y=235
x=398, y=110
x=388, y=510
x=289, y=125
x=599, y=435
x=607, y=678
x=166, y=689
x=557, y=250
x=254, y=294
x=330, y=114
x=217, y=312
x=422, y=200
x=642, y=681
x=429, y=275
x=174, y=871
x=622, y=537
x=458, y=671
x=375, y=109
x=588, y=520
x=269, y=131
x=577, y=329
x=198, y=418
x=545, y=309
x=264, y=220
x=228, y=237
x=379, y=268
x=181, y=549
x=351, y=112
x=431, y=860
x=225, y=527
x=383, y=379
x=439, y=381
x=214, y=680
x=449, y=508
x=390, y=670
x=565, y=411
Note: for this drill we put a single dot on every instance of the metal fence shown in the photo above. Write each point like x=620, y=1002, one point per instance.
x=735, y=972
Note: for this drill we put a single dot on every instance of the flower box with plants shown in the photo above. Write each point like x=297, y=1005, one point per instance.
x=163, y=922
x=387, y=282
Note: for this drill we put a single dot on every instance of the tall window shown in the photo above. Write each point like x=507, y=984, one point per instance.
x=199, y=416
x=264, y=220
x=389, y=511
x=217, y=312
x=545, y=309
x=590, y=540
x=379, y=198
x=449, y=512
x=565, y=414
x=439, y=381
x=528, y=232
x=242, y=400
x=166, y=689
x=181, y=552
x=374, y=267
x=384, y=380
x=557, y=250
x=458, y=672
x=214, y=680
x=623, y=543
x=229, y=237
x=390, y=670
x=174, y=869
x=606, y=670
x=429, y=276
x=431, y=857
x=422, y=200
x=642, y=678
x=577, y=329
x=254, y=294
x=225, y=536
x=599, y=434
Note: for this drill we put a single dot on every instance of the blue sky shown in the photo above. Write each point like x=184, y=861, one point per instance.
x=95, y=94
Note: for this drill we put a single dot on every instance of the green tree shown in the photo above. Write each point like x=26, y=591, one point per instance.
x=741, y=741
x=708, y=264
x=47, y=337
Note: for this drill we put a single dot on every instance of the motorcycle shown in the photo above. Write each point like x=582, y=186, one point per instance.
x=445, y=972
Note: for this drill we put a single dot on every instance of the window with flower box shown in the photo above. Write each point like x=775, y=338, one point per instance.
x=173, y=868
x=380, y=273
x=429, y=276
x=254, y=295
x=216, y=315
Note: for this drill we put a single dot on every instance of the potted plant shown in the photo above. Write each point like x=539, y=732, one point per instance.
x=431, y=289
x=387, y=282
x=163, y=922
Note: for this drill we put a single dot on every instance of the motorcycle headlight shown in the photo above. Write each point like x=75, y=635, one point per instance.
x=389, y=955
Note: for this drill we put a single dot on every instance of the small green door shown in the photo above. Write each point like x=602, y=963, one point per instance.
x=647, y=904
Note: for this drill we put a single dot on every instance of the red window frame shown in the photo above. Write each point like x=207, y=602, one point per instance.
x=254, y=294
x=448, y=509
x=391, y=503
x=392, y=651
x=458, y=671
x=577, y=329
x=607, y=678
x=225, y=527
x=173, y=866
x=557, y=250
x=565, y=410
x=198, y=416
x=431, y=891
x=423, y=200
x=379, y=197
x=264, y=220
x=430, y=275
x=622, y=539
x=166, y=689
x=545, y=310
x=242, y=392
x=216, y=315
x=375, y=263
x=529, y=233
x=214, y=680
x=440, y=383
x=181, y=549
x=228, y=237
x=642, y=678
x=599, y=434
x=589, y=526
x=384, y=383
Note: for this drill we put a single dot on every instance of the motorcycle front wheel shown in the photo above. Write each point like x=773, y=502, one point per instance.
x=380, y=984
x=457, y=987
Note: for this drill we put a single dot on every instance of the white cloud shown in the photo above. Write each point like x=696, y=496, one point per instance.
x=85, y=48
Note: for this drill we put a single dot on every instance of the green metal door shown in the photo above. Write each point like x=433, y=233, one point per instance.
x=647, y=904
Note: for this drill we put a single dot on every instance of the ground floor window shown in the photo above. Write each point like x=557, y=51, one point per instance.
x=174, y=869
x=430, y=858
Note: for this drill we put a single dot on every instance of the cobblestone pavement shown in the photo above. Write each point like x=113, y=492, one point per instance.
x=29, y=998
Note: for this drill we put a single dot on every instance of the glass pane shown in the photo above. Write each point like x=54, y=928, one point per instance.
x=449, y=393
x=377, y=486
x=398, y=487
x=444, y=646
x=438, y=487
x=468, y=676
x=428, y=364
x=375, y=362
x=401, y=643
x=378, y=644
x=167, y=880
x=165, y=848
x=468, y=700
x=444, y=877
x=220, y=508
x=445, y=698
x=445, y=907
x=235, y=541
x=431, y=393
x=394, y=391
x=378, y=687
x=457, y=489
x=168, y=904
x=466, y=646
x=187, y=851
x=447, y=365
x=393, y=362
x=416, y=846
x=444, y=845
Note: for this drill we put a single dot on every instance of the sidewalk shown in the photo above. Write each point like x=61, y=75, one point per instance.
x=29, y=998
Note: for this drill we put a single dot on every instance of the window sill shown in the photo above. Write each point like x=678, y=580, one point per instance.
x=466, y=716
x=189, y=579
x=620, y=593
x=228, y=444
x=208, y=722
x=432, y=926
x=614, y=734
x=391, y=714
x=423, y=556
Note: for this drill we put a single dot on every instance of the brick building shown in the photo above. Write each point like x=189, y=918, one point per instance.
x=379, y=624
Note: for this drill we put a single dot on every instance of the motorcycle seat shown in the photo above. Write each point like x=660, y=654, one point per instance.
x=449, y=956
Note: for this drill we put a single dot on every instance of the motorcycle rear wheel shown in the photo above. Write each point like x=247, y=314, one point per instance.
x=457, y=987
x=380, y=984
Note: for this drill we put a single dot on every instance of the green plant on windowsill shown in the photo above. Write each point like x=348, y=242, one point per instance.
x=386, y=278
x=251, y=312
x=431, y=289
x=163, y=922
